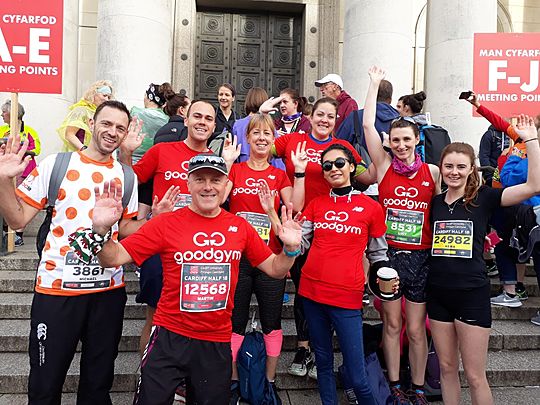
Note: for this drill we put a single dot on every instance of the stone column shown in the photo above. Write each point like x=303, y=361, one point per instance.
x=135, y=43
x=449, y=63
x=378, y=32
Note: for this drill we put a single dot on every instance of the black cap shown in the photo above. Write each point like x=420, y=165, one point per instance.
x=207, y=161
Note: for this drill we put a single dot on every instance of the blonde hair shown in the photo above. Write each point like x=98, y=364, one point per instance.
x=91, y=92
x=260, y=120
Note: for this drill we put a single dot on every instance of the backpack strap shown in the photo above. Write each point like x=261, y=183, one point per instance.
x=129, y=184
x=357, y=134
x=57, y=175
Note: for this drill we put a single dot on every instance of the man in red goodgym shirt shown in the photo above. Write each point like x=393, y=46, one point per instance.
x=200, y=248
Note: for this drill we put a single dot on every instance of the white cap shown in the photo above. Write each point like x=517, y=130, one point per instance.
x=332, y=77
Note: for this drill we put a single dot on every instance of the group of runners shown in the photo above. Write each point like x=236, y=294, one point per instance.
x=200, y=263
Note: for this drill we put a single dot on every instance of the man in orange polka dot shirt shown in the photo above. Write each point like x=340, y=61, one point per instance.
x=73, y=301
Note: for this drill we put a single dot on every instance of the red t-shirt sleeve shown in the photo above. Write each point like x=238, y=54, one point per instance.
x=495, y=119
x=283, y=180
x=377, y=226
x=281, y=145
x=256, y=250
x=147, y=166
x=232, y=173
x=147, y=241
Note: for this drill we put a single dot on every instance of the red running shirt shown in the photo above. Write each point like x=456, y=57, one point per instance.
x=244, y=197
x=167, y=164
x=316, y=185
x=200, y=258
x=333, y=273
x=407, y=205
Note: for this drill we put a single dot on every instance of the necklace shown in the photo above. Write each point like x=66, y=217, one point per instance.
x=452, y=206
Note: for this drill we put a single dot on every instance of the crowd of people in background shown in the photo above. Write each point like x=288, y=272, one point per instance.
x=325, y=194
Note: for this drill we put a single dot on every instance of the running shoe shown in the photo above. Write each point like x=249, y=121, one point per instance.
x=398, y=396
x=19, y=241
x=417, y=397
x=312, y=373
x=235, y=393
x=351, y=397
x=276, y=396
x=365, y=299
x=505, y=300
x=180, y=393
x=536, y=319
x=492, y=270
x=521, y=292
x=302, y=360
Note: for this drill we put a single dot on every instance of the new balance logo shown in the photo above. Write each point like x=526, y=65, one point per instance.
x=425, y=183
x=358, y=209
x=233, y=228
x=42, y=331
x=271, y=177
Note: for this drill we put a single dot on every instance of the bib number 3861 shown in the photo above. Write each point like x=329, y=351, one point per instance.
x=80, y=276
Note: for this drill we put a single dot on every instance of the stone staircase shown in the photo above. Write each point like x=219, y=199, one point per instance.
x=514, y=345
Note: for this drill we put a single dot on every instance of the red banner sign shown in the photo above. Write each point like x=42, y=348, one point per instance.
x=31, y=46
x=507, y=72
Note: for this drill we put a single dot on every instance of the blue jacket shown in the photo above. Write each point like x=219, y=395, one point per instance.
x=514, y=172
x=384, y=116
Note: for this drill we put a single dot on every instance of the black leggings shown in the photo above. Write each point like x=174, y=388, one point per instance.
x=269, y=292
x=302, y=332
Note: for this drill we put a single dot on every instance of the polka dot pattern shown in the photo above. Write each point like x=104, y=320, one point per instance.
x=84, y=194
x=71, y=213
x=73, y=175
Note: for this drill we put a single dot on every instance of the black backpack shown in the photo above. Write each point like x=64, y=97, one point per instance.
x=433, y=139
x=57, y=175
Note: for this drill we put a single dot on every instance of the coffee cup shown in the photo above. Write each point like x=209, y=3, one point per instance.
x=386, y=277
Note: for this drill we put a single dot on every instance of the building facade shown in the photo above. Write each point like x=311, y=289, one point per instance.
x=198, y=44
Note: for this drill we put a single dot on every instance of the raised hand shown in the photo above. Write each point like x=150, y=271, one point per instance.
x=231, y=150
x=376, y=74
x=270, y=105
x=266, y=197
x=290, y=231
x=12, y=159
x=525, y=128
x=473, y=99
x=299, y=158
x=135, y=137
x=108, y=207
x=168, y=201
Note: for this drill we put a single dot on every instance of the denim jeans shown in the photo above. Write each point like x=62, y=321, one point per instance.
x=322, y=320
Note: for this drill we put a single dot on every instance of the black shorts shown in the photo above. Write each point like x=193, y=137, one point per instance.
x=412, y=267
x=471, y=306
x=145, y=191
x=170, y=357
x=150, y=282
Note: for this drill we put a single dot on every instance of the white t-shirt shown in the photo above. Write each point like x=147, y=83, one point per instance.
x=59, y=273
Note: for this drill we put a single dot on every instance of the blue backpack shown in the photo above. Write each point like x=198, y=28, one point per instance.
x=251, y=364
x=433, y=139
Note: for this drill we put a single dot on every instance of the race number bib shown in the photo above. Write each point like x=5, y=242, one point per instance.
x=453, y=239
x=404, y=226
x=184, y=201
x=204, y=287
x=80, y=276
x=261, y=223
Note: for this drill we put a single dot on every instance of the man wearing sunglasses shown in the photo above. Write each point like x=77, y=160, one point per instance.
x=331, y=86
x=200, y=247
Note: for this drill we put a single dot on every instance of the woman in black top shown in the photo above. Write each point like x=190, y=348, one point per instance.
x=458, y=287
x=175, y=130
x=225, y=115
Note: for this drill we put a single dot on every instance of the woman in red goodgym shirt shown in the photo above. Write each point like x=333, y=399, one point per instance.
x=406, y=188
x=339, y=227
x=245, y=180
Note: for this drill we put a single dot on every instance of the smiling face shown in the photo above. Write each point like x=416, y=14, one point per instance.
x=287, y=106
x=207, y=188
x=323, y=120
x=455, y=169
x=260, y=139
x=109, y=128
x=225, y=98
x=200, y=122
x=403, y=143
x=337, y=177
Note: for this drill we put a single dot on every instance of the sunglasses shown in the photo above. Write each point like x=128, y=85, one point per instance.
x=339, y=163
x=408, y=119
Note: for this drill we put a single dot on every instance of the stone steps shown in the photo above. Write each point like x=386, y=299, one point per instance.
x=505, y=335
x=504, y=369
